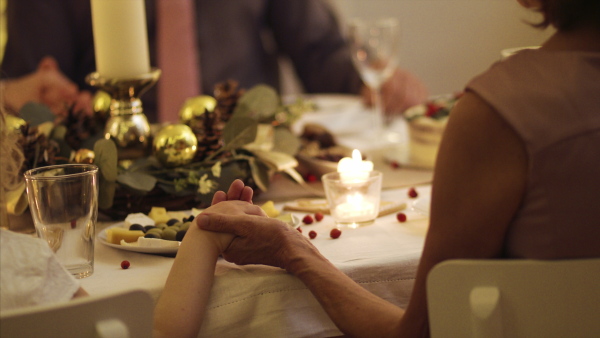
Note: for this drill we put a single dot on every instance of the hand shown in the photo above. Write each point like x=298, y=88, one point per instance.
x=259, y=239
x=47, y=85
x=400, y=92
x=237, y=192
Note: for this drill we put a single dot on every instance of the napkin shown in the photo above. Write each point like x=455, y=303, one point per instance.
x=31, y=274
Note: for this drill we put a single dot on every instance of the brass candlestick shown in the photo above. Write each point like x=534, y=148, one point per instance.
x=127, y=125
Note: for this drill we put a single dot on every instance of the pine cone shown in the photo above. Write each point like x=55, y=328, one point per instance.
x=37, y=148
x=209, y=140
x=81, y=126
x=227, y=95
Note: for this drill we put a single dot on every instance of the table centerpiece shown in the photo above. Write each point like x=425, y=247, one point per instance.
x=235, y=133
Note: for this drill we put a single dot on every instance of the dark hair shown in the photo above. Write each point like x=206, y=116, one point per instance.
x=568, y=14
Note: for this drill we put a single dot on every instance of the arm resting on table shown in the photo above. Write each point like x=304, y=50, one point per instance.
x=182, y=304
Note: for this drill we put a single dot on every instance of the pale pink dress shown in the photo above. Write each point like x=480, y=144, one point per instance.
x=552, y=100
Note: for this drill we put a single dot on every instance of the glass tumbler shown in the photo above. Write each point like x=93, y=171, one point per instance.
x=64, y=205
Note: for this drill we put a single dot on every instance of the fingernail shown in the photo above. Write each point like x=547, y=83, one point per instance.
x=202, y=220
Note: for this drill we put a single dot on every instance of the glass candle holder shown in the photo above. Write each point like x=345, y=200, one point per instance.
x=353, y=203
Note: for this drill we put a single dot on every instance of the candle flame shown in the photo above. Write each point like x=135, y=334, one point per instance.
x=356, y=155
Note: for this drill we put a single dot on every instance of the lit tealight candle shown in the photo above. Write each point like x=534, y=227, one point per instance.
x=354, y=170
x=120, y=38
x=356, y=209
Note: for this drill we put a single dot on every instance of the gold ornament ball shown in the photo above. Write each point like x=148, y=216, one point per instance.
x=196, y=106
x=101, y=103
x=175, y=145
x=84, y=156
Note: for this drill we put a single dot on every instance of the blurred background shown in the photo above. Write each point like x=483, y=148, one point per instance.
x=445, y=42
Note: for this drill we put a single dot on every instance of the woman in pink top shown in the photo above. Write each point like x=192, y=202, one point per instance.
x=516, y=176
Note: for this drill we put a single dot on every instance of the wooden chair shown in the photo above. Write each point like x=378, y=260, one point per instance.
x=514, y=298
x=123, y=315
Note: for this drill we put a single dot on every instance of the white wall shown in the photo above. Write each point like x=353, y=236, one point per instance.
x=447, y=42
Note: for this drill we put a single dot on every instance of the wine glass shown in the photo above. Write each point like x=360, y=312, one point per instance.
x=374, y=45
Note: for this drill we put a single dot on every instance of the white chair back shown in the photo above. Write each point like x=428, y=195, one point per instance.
x=514, y=298
x=123, y=315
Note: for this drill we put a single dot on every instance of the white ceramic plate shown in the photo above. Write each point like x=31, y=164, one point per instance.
x=102, y=238
x=340, y=114
x=421, y=205
x=142, y=249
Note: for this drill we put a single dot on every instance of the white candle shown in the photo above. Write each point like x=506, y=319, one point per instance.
x=120, y=38
x=354, y=170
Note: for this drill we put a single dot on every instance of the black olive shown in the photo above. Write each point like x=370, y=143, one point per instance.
x=180, y=234
x=137, y=227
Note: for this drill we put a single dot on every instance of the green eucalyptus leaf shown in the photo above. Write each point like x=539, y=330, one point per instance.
x=260, y=103
x=277, y=161
x=89, y=142
x=58, y=132
x=106, y=193
x=260, y=174
x=105, y=152
x=239, y=131
x=36, y=113
x=168, y=188
x=231, y=171
x=295, y=175
x=285, y=141
x=144, y=163
x=137, y=180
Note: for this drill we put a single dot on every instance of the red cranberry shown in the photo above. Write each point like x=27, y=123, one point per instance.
x=307, y=219
x=319, y=216
x=125, y=265
x=412, y=193
x=401, y=217
x=311, y=178
x=335, y=233
x=312, y=234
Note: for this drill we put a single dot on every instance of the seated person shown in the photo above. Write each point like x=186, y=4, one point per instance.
x=238, y=40
x=516, y=177
x=181, y=306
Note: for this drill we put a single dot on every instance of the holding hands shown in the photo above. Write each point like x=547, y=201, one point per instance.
x=258, y=239
x=237, y=201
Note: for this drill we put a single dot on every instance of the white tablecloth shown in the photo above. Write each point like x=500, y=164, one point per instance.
x=268, y=302
x=260, y=301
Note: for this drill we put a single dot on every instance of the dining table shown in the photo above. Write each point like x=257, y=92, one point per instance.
x=264, y=301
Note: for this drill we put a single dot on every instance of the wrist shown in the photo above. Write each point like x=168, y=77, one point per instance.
x=213, y=241
x=301, y=257
x=199, y=238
